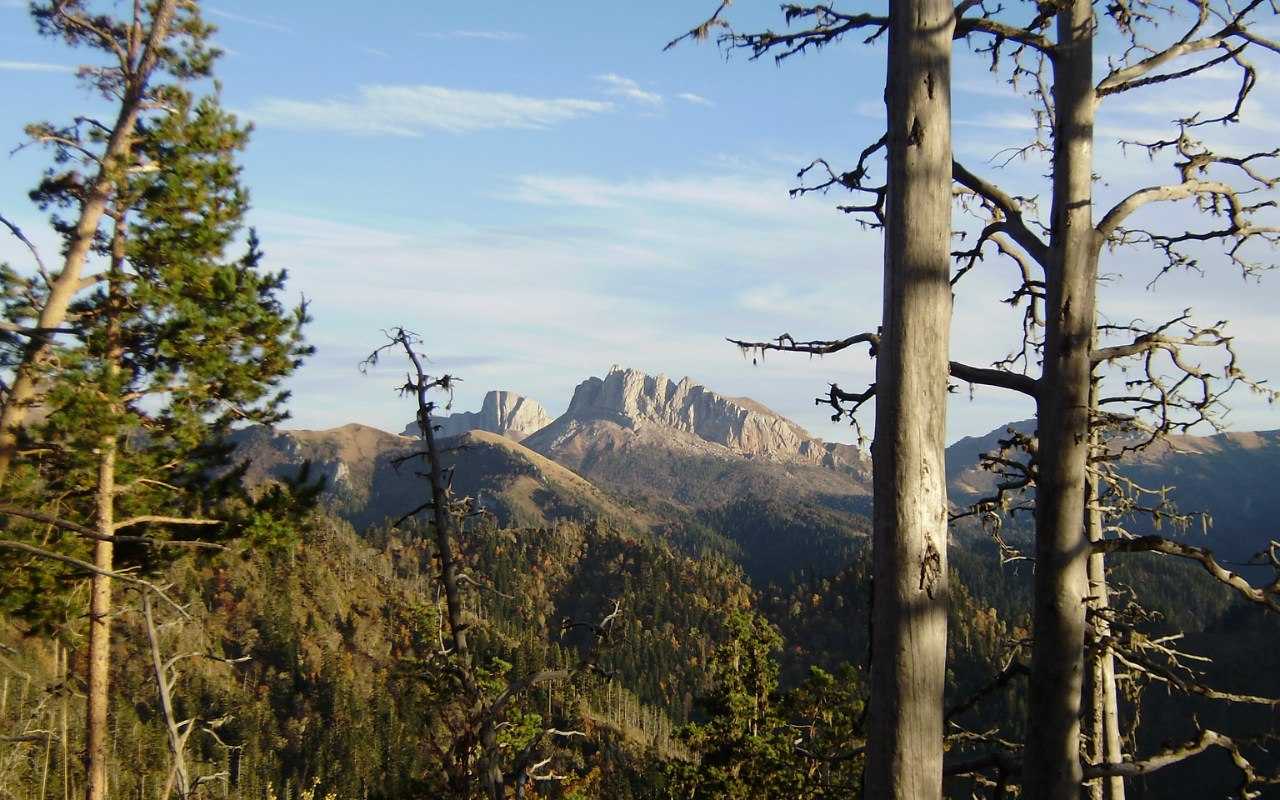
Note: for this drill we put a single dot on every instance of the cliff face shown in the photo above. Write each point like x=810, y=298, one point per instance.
x=651, y=406
x=504, y=413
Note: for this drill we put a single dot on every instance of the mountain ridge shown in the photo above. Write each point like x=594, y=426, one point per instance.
x=638, y=403
x=685, y=463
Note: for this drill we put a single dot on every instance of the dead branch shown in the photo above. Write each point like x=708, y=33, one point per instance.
x=1267, y=596
x=90, y=568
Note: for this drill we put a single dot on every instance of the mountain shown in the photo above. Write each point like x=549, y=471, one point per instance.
x=1228, y=476
x=366, y=485
x=339, y=633
x=716, y=471
x=629, y=407
x=504, y=413
x=966, y=480
x=706, y=471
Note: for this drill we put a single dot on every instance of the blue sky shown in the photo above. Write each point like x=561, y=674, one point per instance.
x=542, y=192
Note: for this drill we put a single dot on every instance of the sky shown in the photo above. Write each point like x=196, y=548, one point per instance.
x=542, y=193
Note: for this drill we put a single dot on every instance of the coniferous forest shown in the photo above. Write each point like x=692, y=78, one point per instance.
x=661, y=590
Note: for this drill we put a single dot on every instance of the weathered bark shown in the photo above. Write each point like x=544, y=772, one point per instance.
x=1052, y=763
x=909, y=627
x=66, y=283
x=1104, y=711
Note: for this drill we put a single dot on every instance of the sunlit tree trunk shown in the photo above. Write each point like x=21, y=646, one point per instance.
x=904, y=755
x=99, y=668
x=100, y=633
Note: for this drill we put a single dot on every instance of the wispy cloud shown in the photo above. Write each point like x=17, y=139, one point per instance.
x=413, y=110
x=34, y=66
x=619, y=86
x=374, y=51
x=491, y=36
x=256, y=22
x=1007, y=121
x=727, y=193
x=696, y=99
x=649, y=280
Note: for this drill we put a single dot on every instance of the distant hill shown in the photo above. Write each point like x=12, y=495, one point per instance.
x=708, y=471
x=366, y=486
x=1229, y=476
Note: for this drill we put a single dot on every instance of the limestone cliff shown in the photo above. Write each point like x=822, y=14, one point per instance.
x=686, y=414
x=504, y=413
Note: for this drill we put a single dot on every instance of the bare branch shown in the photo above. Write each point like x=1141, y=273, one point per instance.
x=90, y=568
x=158, y=519
x=1268, y=596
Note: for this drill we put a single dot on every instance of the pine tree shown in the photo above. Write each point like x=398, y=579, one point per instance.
x=91, y=159
x=174, y=345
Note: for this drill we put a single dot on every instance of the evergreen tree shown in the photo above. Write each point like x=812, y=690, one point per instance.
x=92, y=157
x=174, y=345
x=756, y=742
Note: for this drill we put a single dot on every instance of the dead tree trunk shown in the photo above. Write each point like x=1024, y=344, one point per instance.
x=909, y=627
x=1052, y=766
x=177, y=739
x=1104, y=707
x=1104, y=712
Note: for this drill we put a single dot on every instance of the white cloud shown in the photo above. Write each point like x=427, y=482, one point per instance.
x=1022, y=122
x=647, y=275
x=724, y=193
x=696, y=99
x=34, y=66
x=987, y=88
x=619, y=86
x=870, y=109
x=413, y=110
x=492, y=36
x=256, y=22
x=374, y=51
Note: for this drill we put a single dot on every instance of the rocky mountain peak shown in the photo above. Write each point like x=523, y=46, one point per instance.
x=502, y=412
x=641, y=402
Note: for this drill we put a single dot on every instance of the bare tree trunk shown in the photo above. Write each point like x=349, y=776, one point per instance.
x=442, y=517
x=44, y=769
x=66, y=284
x=909, y=649
x=1052, y=769
x=1104, y=712
x=173, y=731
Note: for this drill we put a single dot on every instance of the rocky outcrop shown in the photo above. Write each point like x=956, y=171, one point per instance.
x=648, y=404
x=504, y=413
